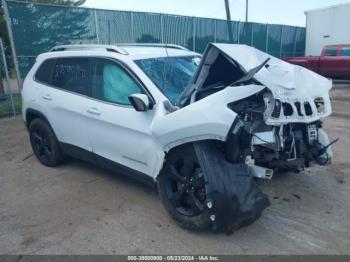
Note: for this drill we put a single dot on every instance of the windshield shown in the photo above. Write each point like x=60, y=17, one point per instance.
x=170, y=74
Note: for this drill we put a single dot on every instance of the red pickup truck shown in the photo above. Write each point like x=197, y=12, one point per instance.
x=334, y=61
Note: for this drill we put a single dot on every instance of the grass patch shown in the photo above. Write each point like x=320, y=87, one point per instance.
x=5, y=105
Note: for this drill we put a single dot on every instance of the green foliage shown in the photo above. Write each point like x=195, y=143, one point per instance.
x=48, y=26
x=147, y=38
x=5, y=108
x=3, y=26
x=57, y=2
x=4, y=36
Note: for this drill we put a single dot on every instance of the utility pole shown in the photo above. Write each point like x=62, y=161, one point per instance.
x=246, y=10
x=228, y=13
x=228, y=16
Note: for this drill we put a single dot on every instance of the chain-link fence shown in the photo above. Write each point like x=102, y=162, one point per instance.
x=37, y=27
x=10, y=100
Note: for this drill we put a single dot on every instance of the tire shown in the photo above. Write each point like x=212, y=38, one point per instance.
x=181, y=186
x=44, y=143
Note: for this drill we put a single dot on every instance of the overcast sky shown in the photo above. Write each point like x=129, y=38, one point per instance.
x=290, y=12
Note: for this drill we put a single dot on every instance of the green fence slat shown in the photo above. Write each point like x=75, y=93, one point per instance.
x=245, y=33
x=205, y=33
x=300, y=42
x=147, y=28
x=259, y=36
x=274, y=40
x=111, y=27
x=38, y=27
x=178, y=30
x=288, y=40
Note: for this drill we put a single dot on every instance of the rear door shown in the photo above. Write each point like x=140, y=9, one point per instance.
x=344, y=63
x=329, y=63
x=64, y=96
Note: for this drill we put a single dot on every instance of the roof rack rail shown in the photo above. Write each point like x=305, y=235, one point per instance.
x=110, y=48
x=172, y=46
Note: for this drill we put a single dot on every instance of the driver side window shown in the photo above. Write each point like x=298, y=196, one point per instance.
x=111, y=83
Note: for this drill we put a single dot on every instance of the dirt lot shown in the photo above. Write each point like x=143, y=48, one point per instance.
x=80, y=209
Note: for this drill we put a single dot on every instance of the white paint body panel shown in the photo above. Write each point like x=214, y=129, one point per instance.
x=140, y=140
x=209, y=118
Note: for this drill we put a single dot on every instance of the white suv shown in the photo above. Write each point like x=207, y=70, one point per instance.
x=202, y=128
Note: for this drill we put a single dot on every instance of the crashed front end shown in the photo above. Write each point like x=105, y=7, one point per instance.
x=278, y=128
x=268, y=133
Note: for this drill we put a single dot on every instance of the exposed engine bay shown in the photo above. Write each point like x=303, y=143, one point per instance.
x=287, y=147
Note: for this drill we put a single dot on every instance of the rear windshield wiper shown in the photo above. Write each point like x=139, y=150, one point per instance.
x=250, y=75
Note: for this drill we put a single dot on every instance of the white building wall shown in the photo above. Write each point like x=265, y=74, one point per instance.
x=327, y=26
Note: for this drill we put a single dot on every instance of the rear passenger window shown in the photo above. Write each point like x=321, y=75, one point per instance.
x=345, y=52
x=44, y=73
x=72, y=74
x=331, y=52
x=111, y=83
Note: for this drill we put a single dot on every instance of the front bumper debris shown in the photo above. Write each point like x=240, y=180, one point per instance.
x=233, y=197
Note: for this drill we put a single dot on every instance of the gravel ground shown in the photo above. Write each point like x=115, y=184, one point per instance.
x=81, y=209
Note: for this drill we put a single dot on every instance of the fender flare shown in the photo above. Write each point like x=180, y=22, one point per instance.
x=179, y=143
x=38, y=114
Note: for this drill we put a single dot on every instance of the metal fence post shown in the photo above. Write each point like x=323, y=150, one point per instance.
x=132, y=26
x=96, y=27
x=12, y=43
x=281, y=41
x=239, y=33
x=295, y=41
x=9, y=87
x=267, y=38
x=161, y=28
x=252, y=36
x=194, y=34
x=215, y=31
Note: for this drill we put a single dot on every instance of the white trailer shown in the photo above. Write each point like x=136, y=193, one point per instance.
x=327, y=26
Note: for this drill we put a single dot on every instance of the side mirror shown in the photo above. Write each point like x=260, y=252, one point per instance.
x=140, y=102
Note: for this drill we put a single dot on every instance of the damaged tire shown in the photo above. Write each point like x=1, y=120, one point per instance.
x=181, y=187
x=200, y=189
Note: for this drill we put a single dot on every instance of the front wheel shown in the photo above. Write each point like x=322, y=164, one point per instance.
x=182, y=189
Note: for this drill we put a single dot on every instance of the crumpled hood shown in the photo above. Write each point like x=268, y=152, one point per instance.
x=282, y=78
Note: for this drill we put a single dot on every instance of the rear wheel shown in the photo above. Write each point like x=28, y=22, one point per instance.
x=182, y=188
x=44, y=143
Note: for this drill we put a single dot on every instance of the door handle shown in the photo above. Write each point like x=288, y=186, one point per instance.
x=47, y=97
x=94, y=111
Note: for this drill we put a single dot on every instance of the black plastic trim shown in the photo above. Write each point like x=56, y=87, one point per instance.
x=36, y=113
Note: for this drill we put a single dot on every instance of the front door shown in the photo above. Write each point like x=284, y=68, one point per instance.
x=117, y=131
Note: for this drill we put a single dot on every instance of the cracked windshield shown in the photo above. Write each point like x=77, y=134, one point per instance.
x=170, y=74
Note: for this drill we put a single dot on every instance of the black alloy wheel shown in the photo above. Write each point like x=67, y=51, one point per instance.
x=44, y=143
x=182, y=188
x=41, y=144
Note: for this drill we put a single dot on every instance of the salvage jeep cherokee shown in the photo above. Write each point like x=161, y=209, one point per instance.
x=202, y=128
